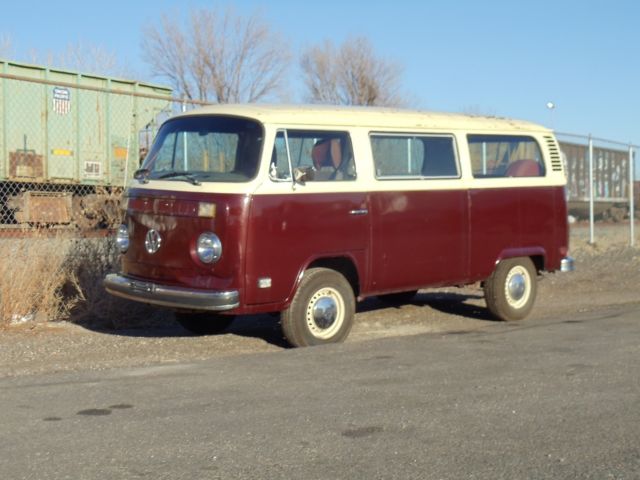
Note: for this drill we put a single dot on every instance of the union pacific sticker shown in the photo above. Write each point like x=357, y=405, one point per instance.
x=61, y=100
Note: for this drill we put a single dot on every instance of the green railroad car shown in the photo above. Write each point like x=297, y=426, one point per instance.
x=69, y=138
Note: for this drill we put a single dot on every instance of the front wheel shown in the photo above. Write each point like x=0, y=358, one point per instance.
x=322, y=309
x=511, y=289
x=204, y=323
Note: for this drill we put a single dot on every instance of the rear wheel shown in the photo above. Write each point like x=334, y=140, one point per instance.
x=322, y=309
x=511, y=289
x=204, y=323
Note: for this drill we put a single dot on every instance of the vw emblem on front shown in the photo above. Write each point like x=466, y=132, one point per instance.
x=153, y=241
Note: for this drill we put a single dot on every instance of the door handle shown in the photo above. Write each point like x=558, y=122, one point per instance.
x=361, y=211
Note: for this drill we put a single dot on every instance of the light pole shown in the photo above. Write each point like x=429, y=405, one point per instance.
x=551, y=107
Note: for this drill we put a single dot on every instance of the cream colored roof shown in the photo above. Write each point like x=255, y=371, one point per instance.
x=372, y=117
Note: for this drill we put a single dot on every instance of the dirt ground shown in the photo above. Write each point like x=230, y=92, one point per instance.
x=607, y=274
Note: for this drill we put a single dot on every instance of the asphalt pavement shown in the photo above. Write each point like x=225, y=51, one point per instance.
x=551, y=399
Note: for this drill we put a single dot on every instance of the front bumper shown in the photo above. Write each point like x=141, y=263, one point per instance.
x=174, y=297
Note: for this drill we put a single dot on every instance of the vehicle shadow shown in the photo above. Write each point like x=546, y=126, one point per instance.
x=267, y=326
x=460, y=304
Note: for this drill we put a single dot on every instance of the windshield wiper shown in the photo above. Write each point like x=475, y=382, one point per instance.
x=188, y=176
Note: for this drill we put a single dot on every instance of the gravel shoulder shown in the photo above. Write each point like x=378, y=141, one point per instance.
x=607, y=275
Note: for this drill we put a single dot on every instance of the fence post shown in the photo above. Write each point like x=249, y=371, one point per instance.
x=591, y=194
x=632, y=216
x=5, y=124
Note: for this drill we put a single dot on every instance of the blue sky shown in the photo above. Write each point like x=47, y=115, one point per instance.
x=504, y=58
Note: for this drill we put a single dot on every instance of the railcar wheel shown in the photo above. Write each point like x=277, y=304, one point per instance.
x=510, y=291
x=84, y=217
x=322, y=309
x=204, y=323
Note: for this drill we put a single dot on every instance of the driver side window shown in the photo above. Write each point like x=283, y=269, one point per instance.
x=321, y=155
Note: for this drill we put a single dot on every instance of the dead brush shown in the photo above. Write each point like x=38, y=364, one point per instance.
x=34, y=279
x=51, y=277
x=95, y=308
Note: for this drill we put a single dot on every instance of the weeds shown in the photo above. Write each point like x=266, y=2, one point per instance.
x=53, y=276
x=34, y=274
x=92, y=260
x=60, y=278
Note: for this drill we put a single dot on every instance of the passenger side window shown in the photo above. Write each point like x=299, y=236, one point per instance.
x=279, y=169
x=505, y=156
x=320, y=155
x=414, y=156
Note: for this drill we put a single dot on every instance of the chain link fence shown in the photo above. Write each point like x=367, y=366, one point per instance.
x=69, y=143
x=601, y=184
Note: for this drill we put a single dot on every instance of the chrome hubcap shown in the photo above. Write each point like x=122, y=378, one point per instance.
x=517, y=287
x=325, y=313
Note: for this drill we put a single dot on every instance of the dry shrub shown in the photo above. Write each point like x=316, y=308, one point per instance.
x=51, y=278
x=34, y=274
x=92, y=260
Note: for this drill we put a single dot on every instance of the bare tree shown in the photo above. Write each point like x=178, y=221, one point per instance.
x=350, y=75
x=217, y=57
x=83, y=57
x=86, y=57
x=320, y=70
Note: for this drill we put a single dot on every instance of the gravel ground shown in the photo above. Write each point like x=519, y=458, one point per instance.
x=608, y=273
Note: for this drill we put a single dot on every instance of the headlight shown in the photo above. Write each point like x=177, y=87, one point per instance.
x=209, y=248
x=122, y=238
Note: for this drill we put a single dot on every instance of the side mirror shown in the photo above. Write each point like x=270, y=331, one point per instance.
x=142, y=175
x=302, y=174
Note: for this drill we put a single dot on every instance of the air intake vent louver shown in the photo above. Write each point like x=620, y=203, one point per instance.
x=554, y=153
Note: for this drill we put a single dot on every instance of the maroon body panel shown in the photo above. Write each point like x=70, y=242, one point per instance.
x=175, y=216
x=509, y=222
x=419, y=238
x=288, y=232
x=395, y=241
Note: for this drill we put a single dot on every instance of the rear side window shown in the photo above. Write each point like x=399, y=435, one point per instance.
x=505, y=156
x=322, y=156
x=414, y=156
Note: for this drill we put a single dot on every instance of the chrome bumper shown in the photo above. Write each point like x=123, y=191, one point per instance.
x=175, y=297
x=567, y=264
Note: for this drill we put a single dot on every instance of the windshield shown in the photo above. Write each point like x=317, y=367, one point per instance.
x=205, y=149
